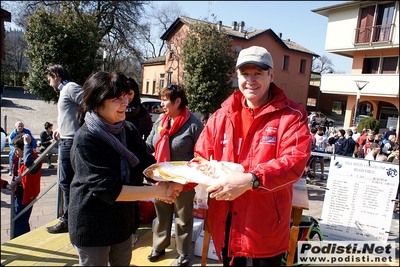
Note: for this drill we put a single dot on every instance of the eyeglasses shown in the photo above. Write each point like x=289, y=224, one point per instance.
x=172, y=87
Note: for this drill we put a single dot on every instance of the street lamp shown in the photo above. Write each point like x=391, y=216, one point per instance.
x=104, y=60
x=360, y=85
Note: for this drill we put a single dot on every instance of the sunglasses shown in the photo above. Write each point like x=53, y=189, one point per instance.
x=172, y=87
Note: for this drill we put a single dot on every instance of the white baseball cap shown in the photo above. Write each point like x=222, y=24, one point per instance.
x=256, y=55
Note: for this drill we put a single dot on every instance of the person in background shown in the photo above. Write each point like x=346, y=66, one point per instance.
x=204, y=119
x=267, y=133
x=365, y=145
x=70, y=96
x=46, y=139
x=388, y=133
x=19, y=128
x=379, y=141
x=108, y=156
x=373, y=150
x=340, y=143
x=172, y=139
x=3, y=138
x=394, y=156
x=312, y=119
x=311, y=159
x=389, y=145
x=321, y=143
x=356, y=135
x=136, y=112
x=28, y=188
x=350, y=146
x=324, y=124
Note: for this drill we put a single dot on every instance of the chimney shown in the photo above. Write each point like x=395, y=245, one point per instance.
x=280, y=35
x=219, y=25
x=241, y=26
x=234, y=25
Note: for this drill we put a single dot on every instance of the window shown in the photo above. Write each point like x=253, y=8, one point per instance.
x=285, y=64
x=169, y=78
x=376, y=23
x=154, y=87
x=147, y=86
x=380, y=65
x=171, y=51
x=303, y=66
x=161, y=81
x=311, y=102
x=238, y=48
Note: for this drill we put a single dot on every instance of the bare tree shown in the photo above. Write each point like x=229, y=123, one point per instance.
x=322, y=65
x=15, y=61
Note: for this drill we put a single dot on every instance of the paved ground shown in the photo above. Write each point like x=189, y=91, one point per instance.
x=34, y=113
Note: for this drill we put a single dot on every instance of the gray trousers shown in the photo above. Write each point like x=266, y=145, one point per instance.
x=114, y=255
x=183, y=207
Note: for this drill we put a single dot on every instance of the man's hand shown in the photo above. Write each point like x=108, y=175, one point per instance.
x=27, y=139
x=231, y=186
x=56, y=134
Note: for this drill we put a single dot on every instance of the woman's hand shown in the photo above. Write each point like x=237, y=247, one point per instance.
x=167, y=192
x=231, y=186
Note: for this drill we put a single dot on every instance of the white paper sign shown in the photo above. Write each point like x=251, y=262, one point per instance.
x=358, y=205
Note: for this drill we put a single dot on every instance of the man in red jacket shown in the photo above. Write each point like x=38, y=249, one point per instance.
x=267, y=133
x=29, y=186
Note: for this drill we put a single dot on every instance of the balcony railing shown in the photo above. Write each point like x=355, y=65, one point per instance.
x=374, y=34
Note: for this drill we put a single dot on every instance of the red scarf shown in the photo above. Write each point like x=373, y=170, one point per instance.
x=162, y=150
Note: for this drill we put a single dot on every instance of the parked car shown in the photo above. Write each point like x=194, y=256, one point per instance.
x=359, y=117
x=320, y=116
x=153, y=106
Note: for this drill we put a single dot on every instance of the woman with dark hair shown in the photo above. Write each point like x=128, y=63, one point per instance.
x=172, y=139
x=46, y=138
x=108, y=156
x=136, y=112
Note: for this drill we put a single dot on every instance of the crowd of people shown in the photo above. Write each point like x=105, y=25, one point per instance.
x=107, y=139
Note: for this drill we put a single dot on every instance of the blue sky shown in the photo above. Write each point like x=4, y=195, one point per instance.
x=293, y=19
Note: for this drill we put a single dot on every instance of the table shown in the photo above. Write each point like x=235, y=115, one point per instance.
x=299, y=203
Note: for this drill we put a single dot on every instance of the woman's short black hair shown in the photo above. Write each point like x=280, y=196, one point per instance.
x=172, y=92
x=135, y=87
x=47, y=125
x=99, y=87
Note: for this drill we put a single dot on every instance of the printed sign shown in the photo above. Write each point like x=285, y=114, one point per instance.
x=358, y=205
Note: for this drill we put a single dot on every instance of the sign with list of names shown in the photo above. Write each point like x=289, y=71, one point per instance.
x=359, y=202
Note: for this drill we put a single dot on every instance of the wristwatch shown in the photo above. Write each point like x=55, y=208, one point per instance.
x=256, y=182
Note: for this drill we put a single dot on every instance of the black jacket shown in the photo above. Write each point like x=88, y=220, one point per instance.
x=94, y=217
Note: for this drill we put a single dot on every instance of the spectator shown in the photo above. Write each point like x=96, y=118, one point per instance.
x=394, y=156
x=356, y=135
x=321, y=142
x=172, y=139
x=28, y=187
x=267, y=133
x=388, y=133
x=136, y=112
x=351, y=145
x=389, y=145
x=324, y=124
x=365, y=146
x=46, y=139
x=379, y=141
x=68, y=104
x=340, y=143
x=312, y=119
x=3, y=139
x=19, y=128
x=373, y=150
x=108, y=156
x=204, y=119
x=311, y=159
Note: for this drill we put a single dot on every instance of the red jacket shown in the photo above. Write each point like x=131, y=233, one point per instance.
x=30, y=182
x=277, y=154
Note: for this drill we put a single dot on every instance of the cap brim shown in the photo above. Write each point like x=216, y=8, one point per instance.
x=261, y=65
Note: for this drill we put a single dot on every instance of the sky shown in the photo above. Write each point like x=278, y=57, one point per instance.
x=294, y=19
